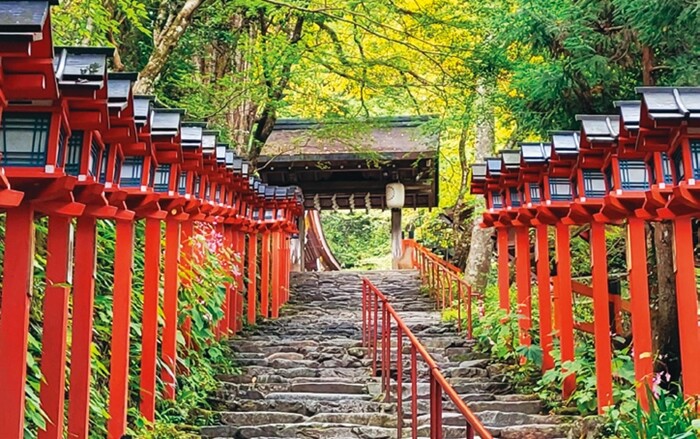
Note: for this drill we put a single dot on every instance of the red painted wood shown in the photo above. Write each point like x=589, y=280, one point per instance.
x=171, y=283
x=14, y=317
x=53, y=355
x=265, y=275
x=229, y=242
x=503, y=269
x=241, y=287
x=641, y=315
x=252, y=274
x=220, y=236
x=544, y=296
x=601, y=317
x=151, y=293
x=523, y=275
x=276, y=274
x=565, y=303
x=81, y=331
x=186, y=229
x=687, y=299
x=119, y=363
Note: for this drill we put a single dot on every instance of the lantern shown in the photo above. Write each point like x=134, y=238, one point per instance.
x=395, y=195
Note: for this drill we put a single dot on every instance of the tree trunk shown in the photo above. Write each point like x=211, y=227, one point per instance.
x=481, y=248
x=664, y=310
x=165, y=41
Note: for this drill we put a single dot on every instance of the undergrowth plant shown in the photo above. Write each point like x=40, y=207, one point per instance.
x=201, y=296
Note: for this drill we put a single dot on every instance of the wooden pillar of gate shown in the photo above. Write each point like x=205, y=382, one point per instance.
x=265, y=274
x=687, y=300
x=14, y=317
x=170, y=292
x=503, y=269
x=81, y=331
x=252, y=276
x=53, y=355
x=523, y=272
x=121, y=311
x=565, y=303
x=544, y=296
x=641, y=316
x=601, y=317
x=149, y=330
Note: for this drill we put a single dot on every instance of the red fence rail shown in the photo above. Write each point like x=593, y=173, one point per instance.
x=445, y=283
x=377, y=318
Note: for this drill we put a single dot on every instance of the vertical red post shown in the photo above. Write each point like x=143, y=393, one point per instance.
x=53, y=355
x=287, y=261
x=230, y=240
x=565, y=303
x=276, y=274
x=503, y=269
x=224, y=261
x=601, y=317
x=687, y=300
x=523, y=272
x=14, y=317
x=171, y=285
x=544, y=296
x=186, y=229
x=252, y=275
x=641, y=316
x=119, y=363
x=81, y=338
x=149, y=331
x=265, y=275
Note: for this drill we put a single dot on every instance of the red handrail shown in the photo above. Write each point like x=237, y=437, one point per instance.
x=443, y=280
x=374, y=303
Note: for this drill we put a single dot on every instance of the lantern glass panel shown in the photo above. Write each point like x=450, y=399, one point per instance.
x=75, y=148
x=62, y=141
x=496, y=200
x=103, y=164
x=678, y=165
x=280, y=213
x=197, y=185
x=695, y=156
x=94, y=158
x=162, y=182
x=269, y=215
x=118, y=163
x=535, y=196
x=24, y=139
x=132, y=171
x=515, y=197
x=207, y=191
x=667, y=168
x=217, y=194
x=182, y=183
x=560, y=189
x=594, y=183
x=634, y=175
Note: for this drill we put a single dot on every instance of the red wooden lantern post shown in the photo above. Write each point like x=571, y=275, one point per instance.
x=166, y=144
x=81, y=73
x=494, y=203
x=627, y=178
x=557, y=198
x=533, y=164
x=669, y=124
x=513, y=197
x=35, y=121
x=253, y=214
x=590, y=188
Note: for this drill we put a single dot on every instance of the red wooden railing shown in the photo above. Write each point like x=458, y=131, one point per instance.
x=378, y=316
x=445, y=283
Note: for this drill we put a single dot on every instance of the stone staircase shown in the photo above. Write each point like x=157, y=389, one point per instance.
x=306, y=375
